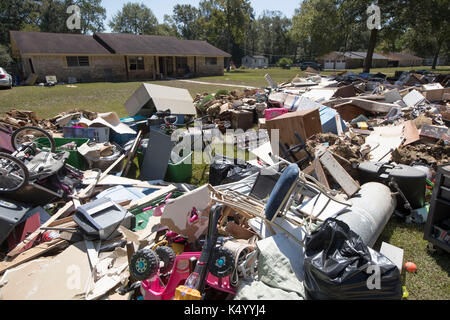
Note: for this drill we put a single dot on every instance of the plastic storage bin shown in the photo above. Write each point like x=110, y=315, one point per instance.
x=75, y=159
x=180, y=172
x=100, y=134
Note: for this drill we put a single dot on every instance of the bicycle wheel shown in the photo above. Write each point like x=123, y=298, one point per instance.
x=13, y=173
x=29, y=136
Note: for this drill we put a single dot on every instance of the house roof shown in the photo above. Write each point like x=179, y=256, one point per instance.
x=402, y=56
x=148, y=44
x=56, y=43
x=362, y=55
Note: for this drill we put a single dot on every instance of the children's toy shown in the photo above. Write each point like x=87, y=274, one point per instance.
x=32, y=165
x=216, y=260
x=161, y=271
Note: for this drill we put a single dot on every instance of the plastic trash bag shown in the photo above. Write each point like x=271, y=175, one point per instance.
x=224, y=170
x=339, y=266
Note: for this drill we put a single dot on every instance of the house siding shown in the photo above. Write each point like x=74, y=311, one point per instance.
x=57, y=66
x=210, y=70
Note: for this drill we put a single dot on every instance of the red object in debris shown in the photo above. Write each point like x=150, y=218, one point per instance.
x=21, y=232
x=410, y=267
x=273, y=113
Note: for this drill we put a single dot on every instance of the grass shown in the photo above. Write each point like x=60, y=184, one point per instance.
x=432, y=280
x=100, y=97
x=256, y=77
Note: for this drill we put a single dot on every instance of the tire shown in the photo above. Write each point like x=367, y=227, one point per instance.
x=222, y=262
x=16, y=134
x=144, y=265
x=168, y=256
x=21, y=170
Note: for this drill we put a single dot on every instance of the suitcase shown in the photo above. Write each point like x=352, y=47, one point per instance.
x=411, y=181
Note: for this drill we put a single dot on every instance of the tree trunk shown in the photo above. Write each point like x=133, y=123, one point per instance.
x=436, y=56
x=370, y=50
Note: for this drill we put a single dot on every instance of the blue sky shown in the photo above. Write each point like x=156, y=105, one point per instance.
x=162, y=7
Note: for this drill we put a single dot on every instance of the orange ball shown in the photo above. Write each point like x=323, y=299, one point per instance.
x=410, y=267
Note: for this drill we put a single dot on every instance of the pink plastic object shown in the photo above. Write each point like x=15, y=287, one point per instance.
x=154, y=290
x=5, y=141
x=273, y=113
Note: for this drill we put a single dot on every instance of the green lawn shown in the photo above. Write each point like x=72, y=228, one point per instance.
x=432, y=281
x=256, y=77
x=99, y=97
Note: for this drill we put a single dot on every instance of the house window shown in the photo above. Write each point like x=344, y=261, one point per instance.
x=137, y=63
x=211, y=61
x=182, y=62
x=82, y=61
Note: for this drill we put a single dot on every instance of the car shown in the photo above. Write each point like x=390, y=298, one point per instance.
x=314, y=65
x=6, y=80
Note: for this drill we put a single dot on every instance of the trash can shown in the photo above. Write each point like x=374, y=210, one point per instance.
x=75, y=159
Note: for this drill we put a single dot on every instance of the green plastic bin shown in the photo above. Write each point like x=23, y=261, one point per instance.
x=75, y=159
x=179, y=172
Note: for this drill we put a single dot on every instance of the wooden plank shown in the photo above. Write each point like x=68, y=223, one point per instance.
x=321, y=176
x=33, y=235
x=339, y=174
x=31, y=254
x=132, y=154
x=153, y=196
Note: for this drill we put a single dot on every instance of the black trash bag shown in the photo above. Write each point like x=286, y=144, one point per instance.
x=225, y=170
x=337, y=267
x=218, y=170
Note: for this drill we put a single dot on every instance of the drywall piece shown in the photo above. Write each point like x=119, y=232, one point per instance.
x=413, y=98
x=156, y=160
x=393, y=253
x=263, y=152
x=150, y=98
x=339, y=174
x=178, y=213
x=382, y=141
x=321, y=207
x=65, y=277
x=392, y=96
x=411, y=133
x=110, y=120
x=320, y=95
x=368, y=105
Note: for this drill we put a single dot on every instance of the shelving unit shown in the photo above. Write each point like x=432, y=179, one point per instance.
x=435, y=233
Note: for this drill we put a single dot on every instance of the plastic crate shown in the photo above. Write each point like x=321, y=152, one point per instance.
x=99, y=135
x=75, y=159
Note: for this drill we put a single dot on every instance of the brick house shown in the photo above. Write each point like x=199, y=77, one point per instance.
x=113, y=57
x=351, y=60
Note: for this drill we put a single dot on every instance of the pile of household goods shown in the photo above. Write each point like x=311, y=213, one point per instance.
x=97, y=207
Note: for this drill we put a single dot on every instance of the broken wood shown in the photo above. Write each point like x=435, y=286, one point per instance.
x=33, y=235
x=31, y=254
x=321, y=176
x=339, y=174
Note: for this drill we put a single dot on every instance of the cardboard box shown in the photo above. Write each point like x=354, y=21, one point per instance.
x=242, y=120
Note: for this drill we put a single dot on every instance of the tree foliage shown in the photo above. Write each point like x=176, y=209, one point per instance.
x=134, y=18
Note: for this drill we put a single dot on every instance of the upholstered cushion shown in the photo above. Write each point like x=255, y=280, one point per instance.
x=279, y=192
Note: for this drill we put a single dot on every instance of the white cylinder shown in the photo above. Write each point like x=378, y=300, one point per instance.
x=372, y=208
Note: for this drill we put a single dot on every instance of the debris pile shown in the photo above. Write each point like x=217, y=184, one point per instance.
x=333, y=159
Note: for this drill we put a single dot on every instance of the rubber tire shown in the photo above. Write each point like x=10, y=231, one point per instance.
x=47, y=135
x=151, y=260
x=26, y=174
x=227, y=268
x=168, y=256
